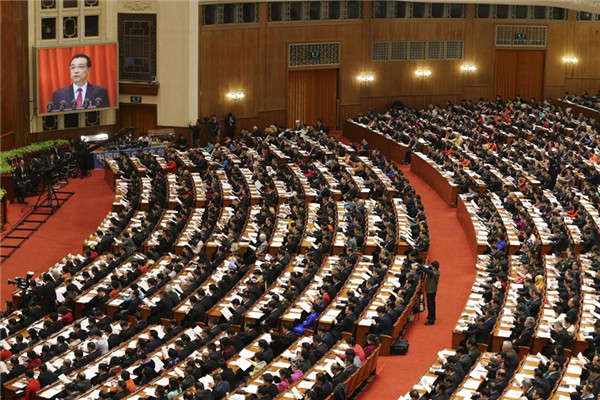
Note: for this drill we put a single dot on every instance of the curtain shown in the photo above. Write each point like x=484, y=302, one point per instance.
x=505, y=73
x=530, y=74
x=519, y=72
x=53, y=70
x=312, y=95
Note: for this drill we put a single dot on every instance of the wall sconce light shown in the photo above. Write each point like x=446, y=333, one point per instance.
x=365, y=78
x=570, y=60
x=423, y=73
x=235, y=96
x=468, y=68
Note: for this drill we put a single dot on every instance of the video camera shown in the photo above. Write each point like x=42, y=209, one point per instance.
x=22, y=283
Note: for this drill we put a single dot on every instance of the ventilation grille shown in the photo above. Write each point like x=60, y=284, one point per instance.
x=379, y=51
x=417, y=50
x=521, y=35
x=399, y=51
x=436, y=51
x=314, y=54
x=454, y=50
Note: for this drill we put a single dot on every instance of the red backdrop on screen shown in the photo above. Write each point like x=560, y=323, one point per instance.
x=53, y=70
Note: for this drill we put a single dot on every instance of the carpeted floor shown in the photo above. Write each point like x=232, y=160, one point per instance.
x=62, y=234
x=449, y=245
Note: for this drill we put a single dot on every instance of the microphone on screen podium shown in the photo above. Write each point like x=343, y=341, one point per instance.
x=62, y=105
x=87, y=103
x=97, y=101
x=73, y=104
x=50, y=106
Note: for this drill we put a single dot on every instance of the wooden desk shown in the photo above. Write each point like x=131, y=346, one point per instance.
x=577, y=109
x=191, y=227
x=424, y=385
x=570, y=378
x=3, y=211
x=474, y=303
x=386, y=289
x=430, y=173
x=280, y=362
x=512, y=236
x=526, y=370
x=505, y=322
x=293, y=314
x=476, y=232
x=392, y=149
x=473, y=379
x=588, y=305
x=298, y=264
x=111, y=172
x=550, y=299
x=84, y=298
x=359, y=275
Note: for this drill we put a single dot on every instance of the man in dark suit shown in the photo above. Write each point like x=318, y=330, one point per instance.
x=46, y=377
x=383, y=323
x=524, y=338
x=21, y=180
x=221, y=387
x=81, y=94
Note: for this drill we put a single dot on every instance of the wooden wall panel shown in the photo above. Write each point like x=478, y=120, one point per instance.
x=255, y=58
x=72, y=133
x=312, y=95
x=587, y=49
x=142, y=116
x=14, y=68
x=267, y=118
x=481, y=54
x=229, y=62
x=557, y=36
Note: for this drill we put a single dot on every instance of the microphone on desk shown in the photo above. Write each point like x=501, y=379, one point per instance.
x=97, y=101
x=50, y=106
x=62, y=105
x=87, y=103
x=73, y=104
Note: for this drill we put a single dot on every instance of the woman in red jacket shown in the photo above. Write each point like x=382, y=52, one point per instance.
x=32, y=386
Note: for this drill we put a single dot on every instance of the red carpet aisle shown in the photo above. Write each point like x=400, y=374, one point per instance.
x=449, y=245
x=62, y=234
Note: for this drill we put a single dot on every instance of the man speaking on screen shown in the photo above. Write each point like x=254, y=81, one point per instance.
x=81, y=94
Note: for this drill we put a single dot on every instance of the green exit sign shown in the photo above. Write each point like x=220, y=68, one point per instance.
x=521, y=36
x=315, y=54
x=136, y=99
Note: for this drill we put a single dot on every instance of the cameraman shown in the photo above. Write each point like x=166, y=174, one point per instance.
x=214, y=129
x=21, y=173
x=196, y=129
x=433, y=277
x=46, y=294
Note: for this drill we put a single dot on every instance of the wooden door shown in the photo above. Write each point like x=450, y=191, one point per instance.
x=142, y=116
x=312, y=95
x=519, y=72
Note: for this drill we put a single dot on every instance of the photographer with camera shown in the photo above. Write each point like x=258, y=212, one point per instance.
x=433, y=277
x=196, y=129
x=21, y=173
x=214, y=129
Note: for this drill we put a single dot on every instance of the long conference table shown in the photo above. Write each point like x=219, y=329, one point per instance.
x=577, y=108
x=426, y=169
x=391, y=148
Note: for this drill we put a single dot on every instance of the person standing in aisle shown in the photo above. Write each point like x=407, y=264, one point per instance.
x=433, y=277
